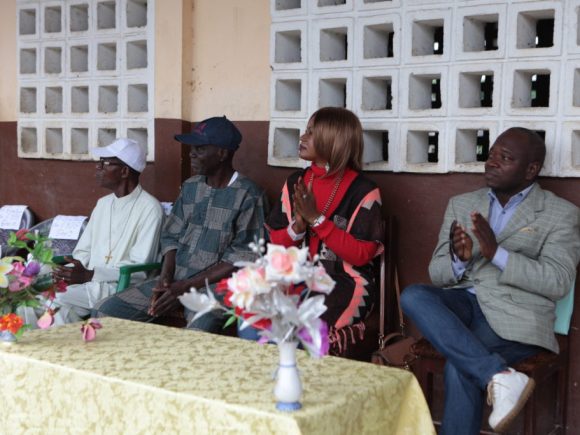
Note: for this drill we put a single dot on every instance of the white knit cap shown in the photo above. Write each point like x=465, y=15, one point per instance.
x=127, y=150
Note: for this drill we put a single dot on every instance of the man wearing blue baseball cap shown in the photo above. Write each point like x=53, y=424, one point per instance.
x=217, y=214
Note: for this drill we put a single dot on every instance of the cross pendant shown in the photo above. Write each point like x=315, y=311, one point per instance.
x=107, y=258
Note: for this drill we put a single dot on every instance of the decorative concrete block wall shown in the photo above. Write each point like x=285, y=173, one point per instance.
x=85, y=75
x=433, y=82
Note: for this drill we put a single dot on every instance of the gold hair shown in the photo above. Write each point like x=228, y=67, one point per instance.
x=338, y=139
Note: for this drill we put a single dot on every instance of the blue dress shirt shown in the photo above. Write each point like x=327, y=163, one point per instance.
x=498, y=218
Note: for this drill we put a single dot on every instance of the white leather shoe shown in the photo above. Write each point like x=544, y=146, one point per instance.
x=507, y=392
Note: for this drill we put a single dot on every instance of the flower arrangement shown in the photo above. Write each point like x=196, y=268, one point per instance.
x=22, y=280
x=281, y=294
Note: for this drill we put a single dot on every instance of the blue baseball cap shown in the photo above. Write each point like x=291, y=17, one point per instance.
x=218, y=131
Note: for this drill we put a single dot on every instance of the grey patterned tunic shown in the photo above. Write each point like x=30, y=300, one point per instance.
x=208, y=225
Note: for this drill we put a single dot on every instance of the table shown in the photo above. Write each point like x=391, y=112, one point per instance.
x=144, y=378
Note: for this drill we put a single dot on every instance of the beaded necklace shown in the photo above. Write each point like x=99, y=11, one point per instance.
x=332, y=194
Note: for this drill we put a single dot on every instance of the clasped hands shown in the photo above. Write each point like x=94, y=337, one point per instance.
x=304, y=205
x=461, y=243
x=165, y=295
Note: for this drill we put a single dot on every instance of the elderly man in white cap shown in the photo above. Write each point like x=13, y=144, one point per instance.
x=123, y=229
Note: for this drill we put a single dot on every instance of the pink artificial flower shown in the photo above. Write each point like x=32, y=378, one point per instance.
x=17, y=269
x=285, y=264
x=282, y=262
x=21, y=281
x=325, y=346
x=46, y=320
x=22, y=234
x=309, y=342
x=89, y=329
x=246, y=284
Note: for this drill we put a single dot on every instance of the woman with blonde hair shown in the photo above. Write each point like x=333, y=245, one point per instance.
x=336, y=211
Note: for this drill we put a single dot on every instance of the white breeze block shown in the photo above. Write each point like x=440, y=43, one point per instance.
x=289, y=95
x=482, y=32
x=28, y=19
x=330, y=88
x=424, y=147
x=571, y=41
x=421, y=30
x=569, y=158
x=283, y=143
x=85, y=75
x=381, y=145
x=378, y=40
x=287, y=45
x=330, y=6
x=333, y=43
x=376, y=5
x=524, y=95
x=571, y=98
x=281, y=9
x=442, y=78
x=475, y=89
x=423, y=91
x=472, y=142
x=376, y=93
x=528, y=39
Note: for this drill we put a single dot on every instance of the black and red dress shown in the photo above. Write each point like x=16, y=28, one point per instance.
x=346, y=241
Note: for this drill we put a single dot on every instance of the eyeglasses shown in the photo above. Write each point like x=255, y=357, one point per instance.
x=102, y=163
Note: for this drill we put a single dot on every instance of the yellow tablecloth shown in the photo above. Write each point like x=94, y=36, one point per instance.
x=143, y=378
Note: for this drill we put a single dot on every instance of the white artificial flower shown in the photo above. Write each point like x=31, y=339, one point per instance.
x=286, y=265
x=319, y=281
x=200, y=303
x=310, y=309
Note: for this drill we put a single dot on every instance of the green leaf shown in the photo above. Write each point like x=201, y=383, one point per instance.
x=12, y=259
x=24, y=327
x=17, y=243
x=231, y=320
x=45, y=256
x=32, y=303
x=43, y=283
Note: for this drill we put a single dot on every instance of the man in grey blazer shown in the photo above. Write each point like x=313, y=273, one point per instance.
x=505, y=255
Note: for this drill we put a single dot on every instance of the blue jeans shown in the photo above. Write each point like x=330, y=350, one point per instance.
x=454, y=324
x=248, y=333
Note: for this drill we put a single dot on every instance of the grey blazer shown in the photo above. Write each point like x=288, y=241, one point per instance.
x=543, y=241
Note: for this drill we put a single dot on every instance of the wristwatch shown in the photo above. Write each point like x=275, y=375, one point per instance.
x=318, y=221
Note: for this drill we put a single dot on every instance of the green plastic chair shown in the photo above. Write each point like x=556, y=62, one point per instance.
x=125, y=272
x=564, y=309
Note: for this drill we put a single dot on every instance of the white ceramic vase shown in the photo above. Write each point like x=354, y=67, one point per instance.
x=288, y=388
x=7, y=337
